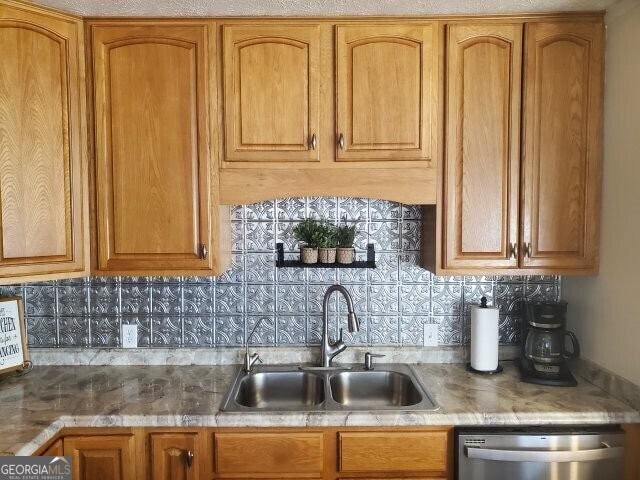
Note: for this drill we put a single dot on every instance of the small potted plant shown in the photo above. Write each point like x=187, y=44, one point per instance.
x=307, y=234
x=345, y=235
x=326, y=242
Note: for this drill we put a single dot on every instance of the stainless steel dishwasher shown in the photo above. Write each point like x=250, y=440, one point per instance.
x=538, y=453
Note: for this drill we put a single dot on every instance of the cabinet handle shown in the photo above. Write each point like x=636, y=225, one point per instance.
x=203, y=251
x=527, y=249
x=514, y=250
x=314, y=142
x=189, y=457
x=341, y=142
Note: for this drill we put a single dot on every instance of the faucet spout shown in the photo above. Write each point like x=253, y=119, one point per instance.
x=330, y=350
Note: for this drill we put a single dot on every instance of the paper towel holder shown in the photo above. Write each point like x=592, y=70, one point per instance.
x=499, y=369
x=484, y=372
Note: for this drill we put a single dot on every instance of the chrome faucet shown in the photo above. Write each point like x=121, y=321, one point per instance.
x=250, y=360
x=330, y=350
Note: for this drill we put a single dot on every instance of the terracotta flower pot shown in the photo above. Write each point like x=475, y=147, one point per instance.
x=309, y=254
x=346, y=255
x=327, y=255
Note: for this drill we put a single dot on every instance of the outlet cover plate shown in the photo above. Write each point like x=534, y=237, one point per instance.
x=129, y=336
x=430, y=334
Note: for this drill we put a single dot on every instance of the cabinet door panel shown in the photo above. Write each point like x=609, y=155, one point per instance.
x=170, y=456
x=392, y=451
x=101, y=457
x=285, y=453
x=152, y=177
x=562, y=144
x=41, y=152
x=481, y=178
x=271, y=92
x=384, y=92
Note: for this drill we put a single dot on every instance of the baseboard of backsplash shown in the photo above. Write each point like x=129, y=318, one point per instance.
x=270, y=355
x=610, y=382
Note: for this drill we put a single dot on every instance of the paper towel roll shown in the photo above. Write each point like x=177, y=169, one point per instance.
x=484, y=338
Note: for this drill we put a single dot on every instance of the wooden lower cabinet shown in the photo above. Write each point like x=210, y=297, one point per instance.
x=174, y=456
x=323, y=453
x=101, y=457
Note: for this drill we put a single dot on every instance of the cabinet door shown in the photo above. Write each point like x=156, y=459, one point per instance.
x=386, y=92
x=173, y=456
x=42, y=145
x=481, y=171
x=562, y=115
x=271, y=92
x=101, y=457
x=153, y=158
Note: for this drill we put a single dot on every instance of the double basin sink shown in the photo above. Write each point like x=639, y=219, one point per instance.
x=305, y=389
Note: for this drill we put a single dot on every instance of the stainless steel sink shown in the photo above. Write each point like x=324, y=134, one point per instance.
x=288, y=388
x=280, y=390
x=371, y=389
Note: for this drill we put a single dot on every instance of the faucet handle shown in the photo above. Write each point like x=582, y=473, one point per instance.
x=368, y=359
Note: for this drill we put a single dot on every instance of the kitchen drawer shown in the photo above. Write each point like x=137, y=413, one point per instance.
x=392, y=451
x=269, y=453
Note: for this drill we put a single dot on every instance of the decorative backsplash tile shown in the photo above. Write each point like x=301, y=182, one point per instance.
x=393, y=301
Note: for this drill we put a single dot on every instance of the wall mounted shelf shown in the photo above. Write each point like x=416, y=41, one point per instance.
x=282, y=263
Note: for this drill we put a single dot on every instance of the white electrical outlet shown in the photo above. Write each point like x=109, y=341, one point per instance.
x=129, y=336
x=430, y=334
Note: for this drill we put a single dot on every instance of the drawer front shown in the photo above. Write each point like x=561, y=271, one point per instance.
x=392, y=451
x=269, y=452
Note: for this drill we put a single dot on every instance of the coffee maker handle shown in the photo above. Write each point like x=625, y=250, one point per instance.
x=576, y=346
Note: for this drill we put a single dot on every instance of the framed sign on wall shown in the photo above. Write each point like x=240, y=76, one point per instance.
x=13, y=336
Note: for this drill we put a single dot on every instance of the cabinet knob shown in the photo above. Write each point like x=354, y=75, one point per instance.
x=203, y=251
x=514, y=250
x=189, y=458
x=341, y=141
x=314, y=141
x=527, y=249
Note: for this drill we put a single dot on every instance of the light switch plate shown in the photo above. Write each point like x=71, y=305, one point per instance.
x=129, y=336
x=430, y=334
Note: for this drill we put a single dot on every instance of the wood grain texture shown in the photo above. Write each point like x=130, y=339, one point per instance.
x=405, y=185
x=393, y=451
x=385, y=77
x=271, y=92
x=481, y=166
x=154, y=178
x=269, y=453
x=632, y=452
x=169, y=456
x=42, y=145
x=101, y=457
x=56, y=449
x=562, y=114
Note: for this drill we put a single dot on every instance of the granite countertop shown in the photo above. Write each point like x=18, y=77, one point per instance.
x=34, y=407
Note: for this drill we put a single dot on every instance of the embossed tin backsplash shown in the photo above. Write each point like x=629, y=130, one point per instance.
x=393, y=301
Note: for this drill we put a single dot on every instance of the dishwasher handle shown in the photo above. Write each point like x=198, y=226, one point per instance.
x=548, y=456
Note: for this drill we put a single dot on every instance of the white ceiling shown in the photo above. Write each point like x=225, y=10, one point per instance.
x=217, y=8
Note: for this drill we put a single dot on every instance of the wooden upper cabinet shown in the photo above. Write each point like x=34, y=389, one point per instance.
x=386, y=77
x=155, y=192
x=271, y=92
x=482, y=154
x=562, y=115
x=101, y=457
x=42, y=145
x=173, y=456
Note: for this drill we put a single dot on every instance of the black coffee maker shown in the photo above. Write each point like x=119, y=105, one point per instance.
x=544, y=354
